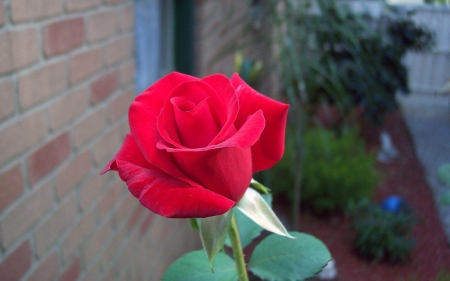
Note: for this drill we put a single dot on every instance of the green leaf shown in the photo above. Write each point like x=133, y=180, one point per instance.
x=279, y=258
x=253, y=206
x=213, y=231
x=248, y=230
x=444, y=174
x=445, y=199
x=194, y=266
x=194, y=224
x=260, y=187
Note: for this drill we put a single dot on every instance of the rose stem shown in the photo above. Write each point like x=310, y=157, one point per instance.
x=233, y=232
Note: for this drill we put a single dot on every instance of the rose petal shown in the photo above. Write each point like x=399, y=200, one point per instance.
x=169, y=197
x=223, y=87
x=143, y=116
x=196, y=91
x=247, y=136
x=143, y=126
x=129, y=152
x=156, y=94
x=228, y=128
x=196, y=127
x=269, y=149
x=193, y=128
x=152, y=186
x=226, y=171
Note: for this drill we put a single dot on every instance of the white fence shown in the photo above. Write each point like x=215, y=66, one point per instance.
x=428, y=71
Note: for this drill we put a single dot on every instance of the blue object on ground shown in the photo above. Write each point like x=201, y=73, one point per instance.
x=393, y=204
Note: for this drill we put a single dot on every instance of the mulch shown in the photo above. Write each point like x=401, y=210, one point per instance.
x=404, y=177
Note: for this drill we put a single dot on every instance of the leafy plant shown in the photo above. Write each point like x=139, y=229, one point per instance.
x=337, y=170
x=248, y=69
x=382, y=235
x=360, y=57
x=272, y=259
x=438, y=2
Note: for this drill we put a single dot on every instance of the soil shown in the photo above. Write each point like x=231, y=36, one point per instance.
x=430, y=257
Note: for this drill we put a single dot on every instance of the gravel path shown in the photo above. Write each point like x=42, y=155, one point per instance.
x=428, y=120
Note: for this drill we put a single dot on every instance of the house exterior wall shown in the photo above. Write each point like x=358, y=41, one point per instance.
x=66, y=80
x=224, y=27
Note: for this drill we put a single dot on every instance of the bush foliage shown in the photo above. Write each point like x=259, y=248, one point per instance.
x=382, y=235
x=360, y=57
x=336, y=170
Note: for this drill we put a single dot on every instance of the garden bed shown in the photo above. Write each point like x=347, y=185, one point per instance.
x=429, y=259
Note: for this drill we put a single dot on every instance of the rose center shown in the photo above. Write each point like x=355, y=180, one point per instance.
x=184, y=105
x=195, y=123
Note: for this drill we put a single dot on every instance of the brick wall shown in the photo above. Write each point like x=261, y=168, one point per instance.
x=227, y=26
x=66, y=80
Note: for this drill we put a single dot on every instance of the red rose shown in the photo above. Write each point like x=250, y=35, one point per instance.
x=195, y=143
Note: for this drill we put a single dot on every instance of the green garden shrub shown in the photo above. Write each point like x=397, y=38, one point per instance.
x=382, y=235
x=336, y=170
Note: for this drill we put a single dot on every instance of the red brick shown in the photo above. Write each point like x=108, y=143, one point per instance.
x=104, y=86
x=101, y=25
x=21, y=135
x=146, y=223
x=134, y=218
x=110, y=198
x=73, y=174
x=111, y=276
x=66, y=108
x=94, y=271
x=89, y=127
x=72, y=272
x=93, y=246
x=92, y=189
x=127, y=73
x=54, y=226
x=16, y=264
x=125, y=207
x=107, y=146
x=118, y=107
x=25, y=47
x=160, y=228
x=126, y=18
x=25, y=215
x=127, y=257
x=46, y=270
x=7, y=105
x=78, y=235
x=119, y=49
x=26, y=10
x=42, y=84
x=18, y=49
x=84, y=65
x=11, y=186
x=48, y=157
x=62, y=36
x=112, y=249
x=124, y=127
x=2, y=14
x=80, y=5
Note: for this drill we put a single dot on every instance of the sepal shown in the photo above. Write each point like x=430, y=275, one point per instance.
x=253, y=206
x=213, y=231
